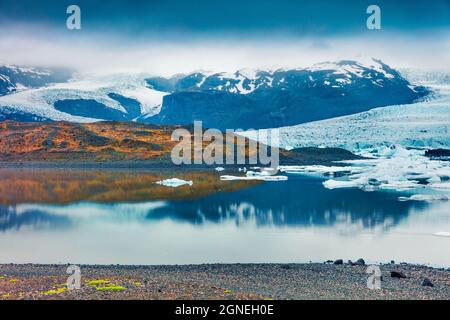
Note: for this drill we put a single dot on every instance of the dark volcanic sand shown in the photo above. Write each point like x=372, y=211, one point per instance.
x=222, y=281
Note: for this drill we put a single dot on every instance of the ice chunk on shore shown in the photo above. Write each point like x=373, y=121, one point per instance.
x=174, y=182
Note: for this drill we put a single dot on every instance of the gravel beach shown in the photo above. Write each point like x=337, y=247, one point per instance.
x=224, y=281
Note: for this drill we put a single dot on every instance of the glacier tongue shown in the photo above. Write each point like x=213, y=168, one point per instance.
x=425, y=124
x=41, y=101
x=394, y=138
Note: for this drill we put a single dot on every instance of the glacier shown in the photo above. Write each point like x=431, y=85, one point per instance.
x=393, y=139
x=41, y=101
x=424, y=124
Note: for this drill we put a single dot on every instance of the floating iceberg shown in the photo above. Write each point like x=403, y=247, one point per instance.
x=264, y=175
x=314, y=169
x=400, y=170
x=263, y=178
x=174, y=182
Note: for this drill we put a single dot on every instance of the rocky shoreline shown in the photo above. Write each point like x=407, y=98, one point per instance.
x=328, y=280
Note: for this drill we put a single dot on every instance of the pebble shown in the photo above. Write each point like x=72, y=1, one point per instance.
x=427, y=283
x=397, y=274
x=360, y=262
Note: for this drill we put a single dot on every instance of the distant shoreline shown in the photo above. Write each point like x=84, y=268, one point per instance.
x=223, y=281
x=128, y=164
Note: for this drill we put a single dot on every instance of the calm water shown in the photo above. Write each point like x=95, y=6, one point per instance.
x=291, y=221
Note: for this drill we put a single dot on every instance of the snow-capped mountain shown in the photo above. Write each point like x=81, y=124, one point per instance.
x=424, y=124
x=264, y=99
x=243, y=99
x=246, y=81
x=14, y=78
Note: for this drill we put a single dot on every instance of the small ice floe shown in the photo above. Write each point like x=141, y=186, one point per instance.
x=425, y=197
x=442, y=234
x=336, y=184
x=174, y=182
x=263, y=172
x=218, y=169
x=263, y=178
x=318, y=169
x=266, y=174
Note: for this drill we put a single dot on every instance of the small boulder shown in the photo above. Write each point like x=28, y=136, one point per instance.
x=360, y=262
x=427, y=283
x=398, y=274
x=339, y=261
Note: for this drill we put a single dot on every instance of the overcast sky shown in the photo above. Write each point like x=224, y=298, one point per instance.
x=171, y=36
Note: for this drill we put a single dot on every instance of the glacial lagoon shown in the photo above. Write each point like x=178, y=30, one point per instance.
x=111, y=217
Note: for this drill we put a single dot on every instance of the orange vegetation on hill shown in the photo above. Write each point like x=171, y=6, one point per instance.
x=70, y=185
x=100, y=141
x=72, y=141
x=124, y=141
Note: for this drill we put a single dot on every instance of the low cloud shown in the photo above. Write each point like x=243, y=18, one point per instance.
x=106, y=53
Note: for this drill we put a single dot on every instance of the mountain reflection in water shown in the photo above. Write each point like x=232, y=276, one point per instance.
x=300, y=201
x=101, y=217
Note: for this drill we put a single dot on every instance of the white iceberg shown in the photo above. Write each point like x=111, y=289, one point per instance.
x=316, y=169
x=400, y=169
x=254, y=177
x=174, y=182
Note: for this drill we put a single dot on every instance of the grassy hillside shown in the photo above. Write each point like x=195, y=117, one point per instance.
x=115, y=141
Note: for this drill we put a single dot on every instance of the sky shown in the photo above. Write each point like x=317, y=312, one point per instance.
x=177, y=36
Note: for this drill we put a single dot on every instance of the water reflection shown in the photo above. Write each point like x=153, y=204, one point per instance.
x=299, y=201
x=12, y=219
x=113, y=220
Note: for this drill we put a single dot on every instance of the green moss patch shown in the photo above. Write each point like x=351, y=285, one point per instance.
x=54, y=291
x=111, y=287
x=97, y=282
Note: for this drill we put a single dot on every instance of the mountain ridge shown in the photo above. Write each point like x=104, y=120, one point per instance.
x=242, y=99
